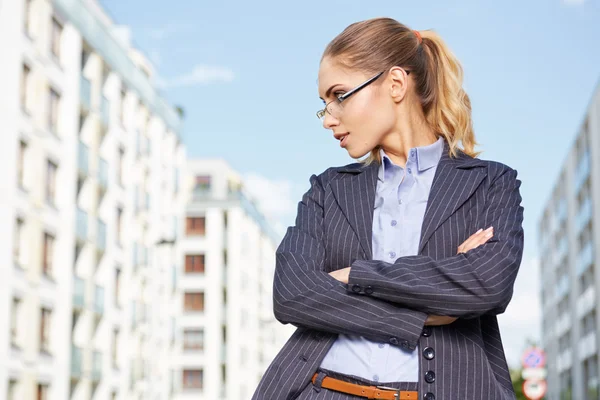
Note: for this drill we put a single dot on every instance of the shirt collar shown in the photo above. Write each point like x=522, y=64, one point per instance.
x=425, y=157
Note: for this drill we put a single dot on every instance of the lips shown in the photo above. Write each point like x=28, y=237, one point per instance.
x=342, y=137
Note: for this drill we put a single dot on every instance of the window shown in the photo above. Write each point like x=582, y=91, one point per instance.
x=42, y=391
x=194, y=302
x=14, y=321
x=21, y=164
x=119, y=225
x=195, y=226
x=122, y=108
x=12, y=390
x=24, y=87
x=51, y=169
x=202, y=183
x=120, y=165
x=193, y=339
x=115, y=346
x=56, y=38
x=194, y=263
x=53, y=108
x=18, y=240
x=118, y=287
x=27, y=18
x=45, y=330
x=193, y=378
x=48, y=255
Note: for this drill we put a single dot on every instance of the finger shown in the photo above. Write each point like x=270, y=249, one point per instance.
x=471, y=240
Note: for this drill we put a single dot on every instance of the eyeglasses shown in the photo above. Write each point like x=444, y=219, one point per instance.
x=334, y=107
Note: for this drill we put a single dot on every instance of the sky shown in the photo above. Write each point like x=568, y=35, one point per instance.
x=245, y=73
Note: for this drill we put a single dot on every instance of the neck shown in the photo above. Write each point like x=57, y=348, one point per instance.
x=410, y=132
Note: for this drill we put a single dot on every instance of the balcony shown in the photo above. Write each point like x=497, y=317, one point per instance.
x=96, y=366
x=83, y=160
x=75, y=362
x=99, y=301
x=104, y=112
x=85, y=93
x=101, y=237
x=82, y=226
x=78, y=293
x=103, y=174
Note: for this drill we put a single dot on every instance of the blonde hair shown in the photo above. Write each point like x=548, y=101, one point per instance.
x=378, y=44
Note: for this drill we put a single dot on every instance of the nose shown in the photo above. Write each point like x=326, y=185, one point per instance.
x=329, y=121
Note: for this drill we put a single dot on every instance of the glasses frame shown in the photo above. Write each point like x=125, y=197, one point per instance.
x=342, y=98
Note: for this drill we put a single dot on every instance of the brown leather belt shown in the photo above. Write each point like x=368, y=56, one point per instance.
x=368, y=392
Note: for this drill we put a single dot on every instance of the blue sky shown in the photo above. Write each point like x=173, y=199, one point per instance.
x=245, y=72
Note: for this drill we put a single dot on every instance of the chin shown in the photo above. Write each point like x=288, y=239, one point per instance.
x=358, y=153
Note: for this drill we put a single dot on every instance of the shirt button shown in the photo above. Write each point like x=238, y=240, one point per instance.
x=399, y=201
x=392, y=254
x=381, y=345
x=412, y=153
x=394, y=222
x=376, y=378
x=409, y=171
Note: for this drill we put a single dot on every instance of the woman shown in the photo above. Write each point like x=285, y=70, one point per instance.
x=388, y=274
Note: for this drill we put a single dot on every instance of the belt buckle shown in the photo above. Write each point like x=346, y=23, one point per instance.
x=396, y=395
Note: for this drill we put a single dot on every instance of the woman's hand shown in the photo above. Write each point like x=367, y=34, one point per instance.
x=474, y=241
x=341, y=274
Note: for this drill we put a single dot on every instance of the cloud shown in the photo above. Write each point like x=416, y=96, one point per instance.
x=155, y=57
x=169, y=30
x=200, y=75
x=522, y=318
x=277, y=199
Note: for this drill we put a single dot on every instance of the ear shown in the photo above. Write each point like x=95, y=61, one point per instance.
x=398, y=83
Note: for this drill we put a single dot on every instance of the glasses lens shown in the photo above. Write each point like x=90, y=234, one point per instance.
x=334, y=108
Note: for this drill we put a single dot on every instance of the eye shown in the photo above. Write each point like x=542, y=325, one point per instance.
x=339, y=94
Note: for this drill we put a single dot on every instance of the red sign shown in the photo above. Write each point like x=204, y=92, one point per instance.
x=534, y=389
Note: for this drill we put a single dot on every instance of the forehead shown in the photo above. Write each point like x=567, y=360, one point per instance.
x=332, y=73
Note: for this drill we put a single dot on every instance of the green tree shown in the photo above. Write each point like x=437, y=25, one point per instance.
x=517, y=381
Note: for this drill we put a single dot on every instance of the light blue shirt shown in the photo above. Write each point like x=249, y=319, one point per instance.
x=400, y=202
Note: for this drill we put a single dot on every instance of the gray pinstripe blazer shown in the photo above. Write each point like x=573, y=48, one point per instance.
x=390, y=302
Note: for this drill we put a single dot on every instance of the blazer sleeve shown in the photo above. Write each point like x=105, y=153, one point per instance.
x=467, y=285
x=307, y=296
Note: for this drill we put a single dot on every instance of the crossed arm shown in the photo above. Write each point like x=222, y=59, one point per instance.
x=413, y=291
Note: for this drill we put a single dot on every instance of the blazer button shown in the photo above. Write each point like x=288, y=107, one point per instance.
x=426, y=331
x=303, y=358
x=429, y=396
x=428, y=353
x=429, y=376
x=394, y=341
x=356, y=288
x=369, y=290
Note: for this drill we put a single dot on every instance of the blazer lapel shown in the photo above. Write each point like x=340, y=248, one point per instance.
x=454, y=182
x=355, y=195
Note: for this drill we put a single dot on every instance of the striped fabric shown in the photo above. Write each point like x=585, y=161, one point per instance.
x=390, y=302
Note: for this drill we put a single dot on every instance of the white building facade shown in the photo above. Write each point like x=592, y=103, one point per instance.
x=227, y=329
x=91, y=160
x=569, y=239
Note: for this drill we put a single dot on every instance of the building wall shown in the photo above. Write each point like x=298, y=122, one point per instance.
x=569, y=257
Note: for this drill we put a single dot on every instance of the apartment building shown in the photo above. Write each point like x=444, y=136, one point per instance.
x=570, y=283
x=91, y=159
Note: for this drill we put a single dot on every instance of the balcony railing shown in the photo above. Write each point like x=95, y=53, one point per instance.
x=83, y=159
x=78, y=293
x=97, y=366
x=101, y=239
x=99, y=300
x=75, y=362
x=85, y=93
x=82, y=225
x=103, y=173
x=105, y=111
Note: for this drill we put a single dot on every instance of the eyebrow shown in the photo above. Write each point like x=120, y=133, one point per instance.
x=328, y=92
